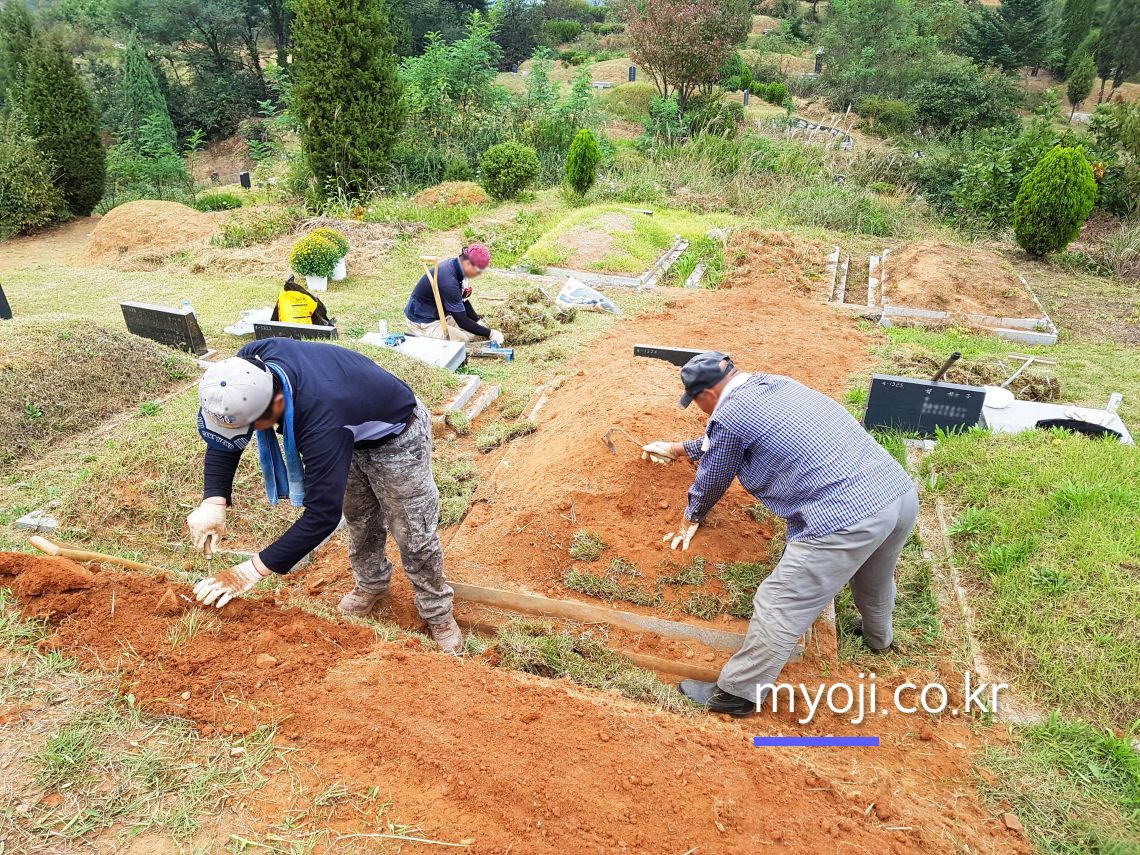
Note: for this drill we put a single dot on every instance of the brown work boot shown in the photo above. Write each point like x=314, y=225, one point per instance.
x=360, y=602
x=447, y=635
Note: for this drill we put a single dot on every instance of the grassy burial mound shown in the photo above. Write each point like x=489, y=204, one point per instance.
x=61, y=376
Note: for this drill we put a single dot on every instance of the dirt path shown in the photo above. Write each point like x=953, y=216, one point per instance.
x=515, y=763
x=62, y=246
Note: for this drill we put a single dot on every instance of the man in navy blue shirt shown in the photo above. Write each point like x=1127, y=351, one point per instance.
x=850, y=508
x=355, y=439
x=463, y=322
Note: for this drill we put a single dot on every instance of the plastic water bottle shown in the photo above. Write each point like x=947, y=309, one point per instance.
x=1114, y=402
x=186, y=307
x=384, y=328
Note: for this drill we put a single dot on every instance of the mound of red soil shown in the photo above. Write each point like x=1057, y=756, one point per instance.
x=514, y=762
x=36, y=577
x=562, y=479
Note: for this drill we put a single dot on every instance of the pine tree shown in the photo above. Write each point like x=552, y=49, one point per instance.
x=345, y=90
x=1076, y=21
x=62, y=119
x=1081, y=79
x=1120, y=41
x=1026, y=30
x=1054, y=201
x=17, y=34
x=138, y=97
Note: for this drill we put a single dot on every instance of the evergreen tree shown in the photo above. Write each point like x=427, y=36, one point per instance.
x=1076, y=21
x=1054, y=201
x=983, y=40
x=62, y=119
x=28, y=198
x=1119, y=54
x=1081, y=79
x=138, y=97
x=1026, y=29
x=582, y=162
x=345, y=90
x=17, y=34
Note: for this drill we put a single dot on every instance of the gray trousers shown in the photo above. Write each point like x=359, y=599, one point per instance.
x=809, y=575
x=391, y=489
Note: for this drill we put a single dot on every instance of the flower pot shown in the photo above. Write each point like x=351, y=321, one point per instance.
x=340, y=271
x=317, y=283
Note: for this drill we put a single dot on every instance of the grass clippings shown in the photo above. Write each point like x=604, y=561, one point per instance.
x=456, y=481
x=587, y=546
x=536, y=648
x=61, y=376
x=528, y=316
x=500, y=433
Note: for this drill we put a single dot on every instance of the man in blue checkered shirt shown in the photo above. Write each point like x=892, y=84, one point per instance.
x=850, y=509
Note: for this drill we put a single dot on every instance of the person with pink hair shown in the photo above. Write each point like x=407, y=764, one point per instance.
x=454, y=276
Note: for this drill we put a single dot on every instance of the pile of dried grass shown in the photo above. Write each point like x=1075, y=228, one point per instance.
x=370, y=243
x=452, y=193
x=528, y=316
x=61, y=376
x=1030, y=386
x=142, y=235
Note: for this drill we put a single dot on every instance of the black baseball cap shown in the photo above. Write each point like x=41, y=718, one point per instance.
x=703, y=372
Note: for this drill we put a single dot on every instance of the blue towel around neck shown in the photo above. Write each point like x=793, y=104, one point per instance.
x=283, y=475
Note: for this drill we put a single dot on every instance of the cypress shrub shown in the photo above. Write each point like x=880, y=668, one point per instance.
x=17, y=34
x=137, y=98
x=28, y=198
x=345, y=91
x=1054, y=200
x=582, y=162
x=61, y=118
x=508, y=168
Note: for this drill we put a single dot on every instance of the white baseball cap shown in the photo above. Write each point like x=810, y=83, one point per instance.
x=232, y=394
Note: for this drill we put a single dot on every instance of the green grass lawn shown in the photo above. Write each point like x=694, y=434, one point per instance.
x=632, y=252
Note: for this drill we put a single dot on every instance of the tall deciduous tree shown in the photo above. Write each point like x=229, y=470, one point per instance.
x=138, y=97
x=517, y=23
x=682, y=43
x=62, y=118
x=346, y=92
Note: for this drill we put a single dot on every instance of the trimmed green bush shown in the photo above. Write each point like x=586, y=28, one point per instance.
x=28, y=198
x=217, y=202
x=1054, y=201
x=62, y=119
x=888, y=115
x=507, y=169
x=776, y=93
x=458, y=168
x=345, y=91
x=582, y=162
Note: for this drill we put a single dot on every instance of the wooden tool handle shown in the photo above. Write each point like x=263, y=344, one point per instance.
x=46, y=546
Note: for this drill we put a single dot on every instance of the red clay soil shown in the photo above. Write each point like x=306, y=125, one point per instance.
x=545, y=487
x=960, y=280
x=511, y=761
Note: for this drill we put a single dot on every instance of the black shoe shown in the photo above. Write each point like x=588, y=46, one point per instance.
x=857, y=630
x=716, y=699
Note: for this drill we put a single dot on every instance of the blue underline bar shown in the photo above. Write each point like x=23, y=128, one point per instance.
x=815, y=741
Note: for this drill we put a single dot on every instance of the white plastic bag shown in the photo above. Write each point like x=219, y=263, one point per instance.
x=244, y=326
x=577, y=295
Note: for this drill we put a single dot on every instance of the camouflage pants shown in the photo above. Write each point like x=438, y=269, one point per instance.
x=391, y=489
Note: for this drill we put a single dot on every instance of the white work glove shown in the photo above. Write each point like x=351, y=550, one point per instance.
x=230, y=583
x=207, y=521
x=659, y=452
x=682, y=535
x=497, y=338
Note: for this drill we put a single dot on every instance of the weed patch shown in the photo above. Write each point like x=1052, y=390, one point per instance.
x=500, y=433
x=536, y=648
x=587, y=546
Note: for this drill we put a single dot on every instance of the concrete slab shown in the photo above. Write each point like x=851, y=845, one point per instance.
x=38, y=520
